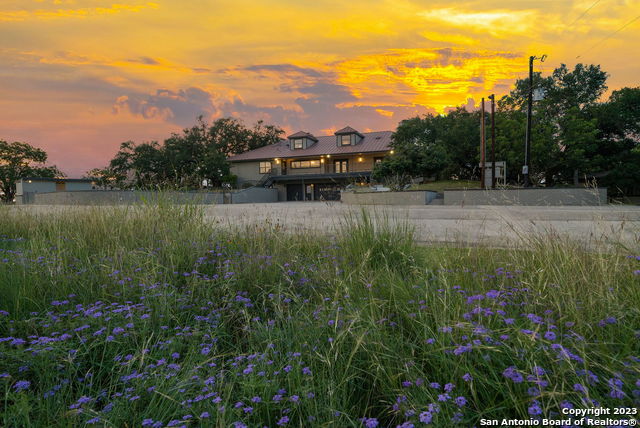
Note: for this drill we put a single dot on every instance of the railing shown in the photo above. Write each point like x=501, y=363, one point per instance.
x=325, y=168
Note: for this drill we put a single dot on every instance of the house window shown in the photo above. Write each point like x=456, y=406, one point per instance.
x=315, y=163
x=265, y=167
x=341, y=166
x=345, y=140
x=298, y=143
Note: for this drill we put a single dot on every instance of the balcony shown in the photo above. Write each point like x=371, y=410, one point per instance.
x=325, y=168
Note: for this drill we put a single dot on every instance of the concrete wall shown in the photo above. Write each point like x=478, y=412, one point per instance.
x=532, y=196
x=254, y=195
x=116, y=197
x=418, y=197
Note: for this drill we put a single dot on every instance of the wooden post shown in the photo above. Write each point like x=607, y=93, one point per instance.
x=482, y=146
x=493, y=141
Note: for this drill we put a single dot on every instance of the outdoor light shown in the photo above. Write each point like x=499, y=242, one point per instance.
x=359, y=159
x=322, y=160
x=328, y=156
x=391, y=152
x=277, y=161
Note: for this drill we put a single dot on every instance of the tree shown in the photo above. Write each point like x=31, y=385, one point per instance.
x=185, y=160
x=563, y=139
x=618, y=124
x=18, y=160
x=418, y=150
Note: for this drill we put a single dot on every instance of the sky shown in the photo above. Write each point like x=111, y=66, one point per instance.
x=79, y=77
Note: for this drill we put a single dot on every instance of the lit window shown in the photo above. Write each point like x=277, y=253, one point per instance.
x=345, y=140
x=297, y=143
x=315, y=163
x=265, y=167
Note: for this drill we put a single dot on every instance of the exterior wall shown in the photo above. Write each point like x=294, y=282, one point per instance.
x=419, y=197
x=75, y=186
x=116, y=197
x=534, y=196
x=35, y=186
x=247, y=171
x=41, y=186
x=296, y=171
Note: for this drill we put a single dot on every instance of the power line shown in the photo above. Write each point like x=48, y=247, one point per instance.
x=582, y=14
x=610, y=35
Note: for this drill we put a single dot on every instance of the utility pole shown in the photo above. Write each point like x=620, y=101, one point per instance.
x=492, y=97
x=527, y=144
x=482, y=146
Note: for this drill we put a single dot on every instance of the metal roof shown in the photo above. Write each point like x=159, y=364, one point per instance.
x=373, y=142
x=347, y=130
x=302, y=134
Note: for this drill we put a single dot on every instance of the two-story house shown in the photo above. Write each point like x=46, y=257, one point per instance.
x=307, y=168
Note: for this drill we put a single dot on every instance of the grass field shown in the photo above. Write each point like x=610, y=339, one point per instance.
x=149, y=316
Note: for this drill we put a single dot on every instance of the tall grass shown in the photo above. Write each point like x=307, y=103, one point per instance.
x=148, y=315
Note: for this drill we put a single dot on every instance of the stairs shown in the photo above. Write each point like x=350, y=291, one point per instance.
x=265, y=181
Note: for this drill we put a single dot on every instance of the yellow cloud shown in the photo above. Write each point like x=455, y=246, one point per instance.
x=495, y=22
x=23, y=15
x=432, y=77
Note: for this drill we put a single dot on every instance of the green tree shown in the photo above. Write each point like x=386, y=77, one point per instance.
x=18, y=160
x=618, y=123
x=564, y=135
x=186, y=159
x=418, y=150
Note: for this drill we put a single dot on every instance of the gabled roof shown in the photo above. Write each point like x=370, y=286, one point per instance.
x=346, y=131
x=302, y=134
x=372, y=142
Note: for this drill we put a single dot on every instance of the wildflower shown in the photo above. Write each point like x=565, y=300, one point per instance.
x=512, y=373
x=21, y=385
x=578, y=387
x=535, y=408
x=426, y=417
x=460, y=401
x=282, y=421
x=467, y=377
x=369, y=422
x=306, y=371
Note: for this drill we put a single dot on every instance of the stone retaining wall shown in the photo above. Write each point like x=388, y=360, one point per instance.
x=528, y=196
x=413, y=197
x=117, y=197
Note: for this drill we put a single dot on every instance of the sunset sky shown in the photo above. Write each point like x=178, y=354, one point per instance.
x=78, y=77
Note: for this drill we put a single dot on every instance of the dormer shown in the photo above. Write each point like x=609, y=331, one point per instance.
x=301, y=140
x=348, y=137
